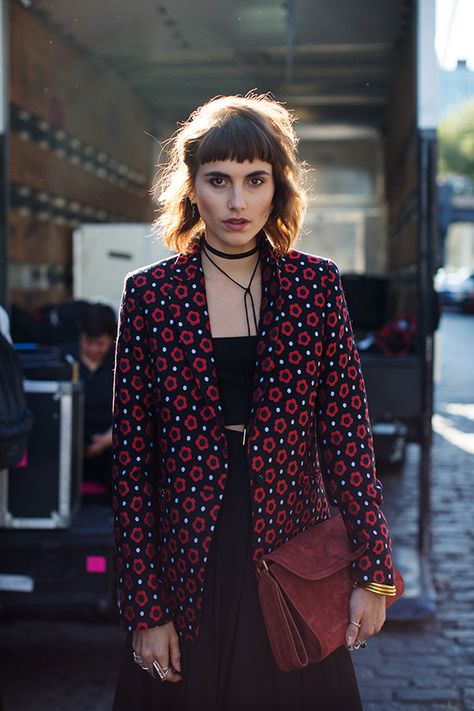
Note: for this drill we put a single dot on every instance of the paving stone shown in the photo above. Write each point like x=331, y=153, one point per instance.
x=377, y=693
x=468, y=696
x=433, y=667
x=431, y=681
x=427, y=695
x=393, y=707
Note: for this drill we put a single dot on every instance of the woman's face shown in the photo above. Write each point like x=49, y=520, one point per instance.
x=95, y=348
x=234, y=201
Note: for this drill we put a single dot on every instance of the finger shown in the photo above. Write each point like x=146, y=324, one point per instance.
x=159, y=663
x=148, y=656
x=167, y=673
x=380, y=620
x=175, y=654
x=352, y=632
x=173, y=677
x=367, y=630
x=139, y=661
x=158, y=671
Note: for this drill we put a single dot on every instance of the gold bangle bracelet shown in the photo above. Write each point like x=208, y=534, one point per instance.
x=379, y=589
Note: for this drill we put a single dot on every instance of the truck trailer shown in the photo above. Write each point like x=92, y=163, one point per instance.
x=87, y=96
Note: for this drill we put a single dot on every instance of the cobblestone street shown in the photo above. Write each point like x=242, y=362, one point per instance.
x=57, y=666
x=431, y=666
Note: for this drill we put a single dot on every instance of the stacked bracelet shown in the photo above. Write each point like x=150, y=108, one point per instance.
x=379, y=589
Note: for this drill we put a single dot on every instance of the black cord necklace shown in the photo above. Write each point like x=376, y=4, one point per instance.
x=226, y=255
x=245, y=288
x=247, y=292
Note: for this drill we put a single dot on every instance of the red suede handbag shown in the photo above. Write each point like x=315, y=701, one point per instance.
x=304, y=588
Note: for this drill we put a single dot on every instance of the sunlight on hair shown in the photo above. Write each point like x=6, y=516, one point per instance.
x=251, y=127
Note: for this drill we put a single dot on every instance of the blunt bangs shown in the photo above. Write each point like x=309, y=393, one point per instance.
x=238, y=138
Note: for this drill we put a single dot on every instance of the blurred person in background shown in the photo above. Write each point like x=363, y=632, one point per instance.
x=94, y=352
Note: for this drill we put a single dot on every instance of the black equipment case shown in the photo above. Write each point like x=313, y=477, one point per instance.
x=60, y=572
x=43, y=490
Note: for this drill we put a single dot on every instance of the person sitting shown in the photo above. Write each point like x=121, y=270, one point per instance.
x=95, y=353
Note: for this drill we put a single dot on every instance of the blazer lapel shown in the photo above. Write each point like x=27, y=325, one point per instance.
x=269, y=324
x=188, y=305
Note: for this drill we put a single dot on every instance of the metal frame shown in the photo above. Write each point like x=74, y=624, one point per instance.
x=426, y=88
x=61, y=518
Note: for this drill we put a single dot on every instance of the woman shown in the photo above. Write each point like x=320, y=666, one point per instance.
x=235, y=362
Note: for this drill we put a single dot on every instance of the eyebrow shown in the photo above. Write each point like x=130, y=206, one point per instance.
x=219, y=174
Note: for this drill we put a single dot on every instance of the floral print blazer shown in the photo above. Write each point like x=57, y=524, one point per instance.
x=309, y=440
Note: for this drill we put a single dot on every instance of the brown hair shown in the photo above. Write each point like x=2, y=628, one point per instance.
x=251, y=127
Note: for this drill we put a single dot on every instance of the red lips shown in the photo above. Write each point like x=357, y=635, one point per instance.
x=236, y=224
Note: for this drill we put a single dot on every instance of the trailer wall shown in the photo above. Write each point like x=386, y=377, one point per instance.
x=79, y=152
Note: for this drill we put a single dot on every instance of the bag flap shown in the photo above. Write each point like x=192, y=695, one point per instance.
x=314, y=554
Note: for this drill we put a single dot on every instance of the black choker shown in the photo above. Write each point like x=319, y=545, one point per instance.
x=226, y=255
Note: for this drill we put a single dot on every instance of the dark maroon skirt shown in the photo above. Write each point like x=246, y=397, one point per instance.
x=230, y=666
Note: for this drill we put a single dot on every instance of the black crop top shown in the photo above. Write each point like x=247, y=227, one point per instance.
x=233, y=355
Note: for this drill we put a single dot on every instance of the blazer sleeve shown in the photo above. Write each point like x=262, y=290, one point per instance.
x=141, y=594
x=345, y=443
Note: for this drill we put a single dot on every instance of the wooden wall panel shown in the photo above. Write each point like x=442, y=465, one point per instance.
x=42, y=170
x=33, y=299
x=55, y=81
x=34, y=241
x=79, y=99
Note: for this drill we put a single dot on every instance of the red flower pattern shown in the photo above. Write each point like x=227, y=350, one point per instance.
x=170, y=453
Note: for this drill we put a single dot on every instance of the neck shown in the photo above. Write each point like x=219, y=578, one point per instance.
x=238, y=262
x=231, y=252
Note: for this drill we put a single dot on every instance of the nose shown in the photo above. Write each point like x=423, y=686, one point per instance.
x=236, y=200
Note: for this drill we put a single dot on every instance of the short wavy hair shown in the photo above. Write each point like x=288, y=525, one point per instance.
x=251, y=127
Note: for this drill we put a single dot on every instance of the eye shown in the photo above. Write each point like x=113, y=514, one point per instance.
x=256, y=181
x=217, y=181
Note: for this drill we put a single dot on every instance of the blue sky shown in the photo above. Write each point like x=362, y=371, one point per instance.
x=455, y=32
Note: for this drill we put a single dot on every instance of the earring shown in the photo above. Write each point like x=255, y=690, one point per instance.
x=193, y=211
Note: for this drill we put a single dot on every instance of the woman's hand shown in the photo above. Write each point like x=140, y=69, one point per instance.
x=160, y=644
x=367, y=609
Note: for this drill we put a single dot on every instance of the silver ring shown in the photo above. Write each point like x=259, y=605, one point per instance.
x=137, y=659
x=357, y=645
x=357, y=624
x=161, y=671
